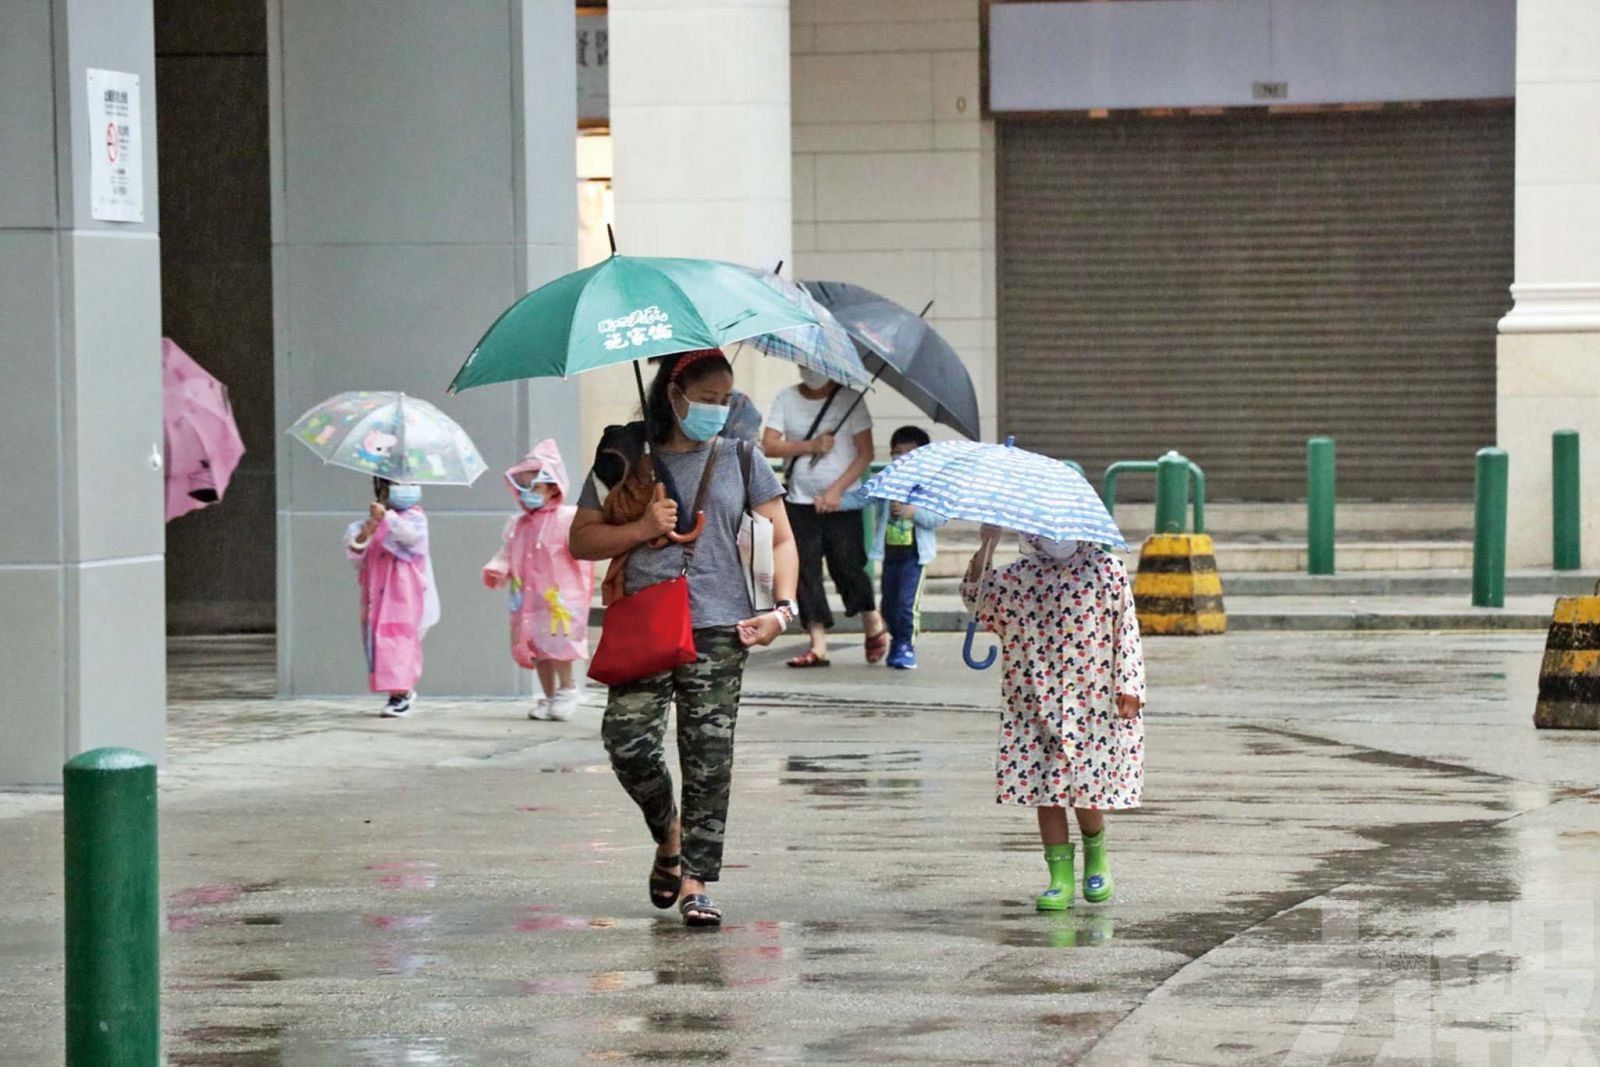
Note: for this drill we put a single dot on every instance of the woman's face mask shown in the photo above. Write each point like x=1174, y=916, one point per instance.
x=700, y=422
x=1050, y=547
x=402, y=497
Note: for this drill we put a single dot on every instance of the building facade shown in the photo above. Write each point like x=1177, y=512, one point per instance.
x=1143, y=225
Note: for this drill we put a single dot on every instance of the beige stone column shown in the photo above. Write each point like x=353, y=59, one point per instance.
x=1549, y=353
x=700, y=132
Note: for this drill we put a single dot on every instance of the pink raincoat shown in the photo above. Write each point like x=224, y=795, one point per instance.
x=550, y=591
x=398, y=600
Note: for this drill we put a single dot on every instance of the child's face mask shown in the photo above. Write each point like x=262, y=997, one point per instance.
x=402, y=497
x=1049, y=546
x=532, y=497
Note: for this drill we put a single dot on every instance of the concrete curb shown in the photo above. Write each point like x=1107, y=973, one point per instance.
x=1259, y=621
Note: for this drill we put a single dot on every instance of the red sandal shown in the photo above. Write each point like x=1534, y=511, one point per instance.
x=809, y=659
x=878, y=646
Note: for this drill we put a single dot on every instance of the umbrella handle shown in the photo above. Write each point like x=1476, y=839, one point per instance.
x=694, y=534
x=966, y=650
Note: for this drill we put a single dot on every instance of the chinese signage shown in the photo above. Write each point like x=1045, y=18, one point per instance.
x=116, y=166
x=637, y=328
x=594, y=54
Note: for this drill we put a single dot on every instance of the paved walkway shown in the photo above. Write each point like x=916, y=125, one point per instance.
x=1354, y=847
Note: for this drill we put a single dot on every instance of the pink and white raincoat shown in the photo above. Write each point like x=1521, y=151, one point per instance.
x=550, y=591
x=399, y=602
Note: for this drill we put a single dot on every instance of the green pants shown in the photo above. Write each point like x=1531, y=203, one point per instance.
x=707, y=695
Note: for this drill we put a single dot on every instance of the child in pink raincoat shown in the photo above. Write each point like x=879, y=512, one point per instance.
x=399, y=602
x=550, y=590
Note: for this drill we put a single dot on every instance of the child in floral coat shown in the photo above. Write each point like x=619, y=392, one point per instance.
x=1072, y=733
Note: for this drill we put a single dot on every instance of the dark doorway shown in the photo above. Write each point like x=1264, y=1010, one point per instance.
x=216, y=292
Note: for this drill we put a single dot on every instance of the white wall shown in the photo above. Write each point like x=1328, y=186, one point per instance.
x=893, y=170
x=1549, y=351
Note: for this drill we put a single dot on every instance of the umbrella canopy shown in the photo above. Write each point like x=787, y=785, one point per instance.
x=201, y=440
x=392, y=436
x=623, y=309
x=825, y=347
x=907, y=354
x=999, y=484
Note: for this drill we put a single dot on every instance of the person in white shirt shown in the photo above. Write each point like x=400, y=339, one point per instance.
x=825, y=433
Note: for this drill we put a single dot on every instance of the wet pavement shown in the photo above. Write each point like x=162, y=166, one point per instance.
x=1355, y=849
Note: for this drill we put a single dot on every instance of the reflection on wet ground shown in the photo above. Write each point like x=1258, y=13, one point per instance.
x=1309, y=882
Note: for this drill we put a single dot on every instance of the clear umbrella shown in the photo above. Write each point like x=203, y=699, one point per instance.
x=391, y=436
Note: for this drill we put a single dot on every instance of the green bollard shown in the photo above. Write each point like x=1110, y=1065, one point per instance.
x=1489, y=529
x=1172, y=493
x=113, y=910
x=1320, y=497
x=1197, y=484
x=1565, y=500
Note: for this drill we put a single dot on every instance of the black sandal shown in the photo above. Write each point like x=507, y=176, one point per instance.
x=697, y=910
x=665, y=885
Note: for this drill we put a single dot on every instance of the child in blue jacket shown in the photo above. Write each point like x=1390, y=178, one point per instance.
x=903, y=544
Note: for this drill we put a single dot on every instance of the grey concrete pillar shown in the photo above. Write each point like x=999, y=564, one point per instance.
x=82, y=641
x=424, y=177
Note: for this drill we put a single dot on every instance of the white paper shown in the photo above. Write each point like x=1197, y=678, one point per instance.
x=116, y=168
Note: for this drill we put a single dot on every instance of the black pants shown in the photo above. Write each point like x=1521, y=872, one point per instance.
x=838, y=538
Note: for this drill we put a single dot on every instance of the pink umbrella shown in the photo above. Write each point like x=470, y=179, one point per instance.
x=202, y=442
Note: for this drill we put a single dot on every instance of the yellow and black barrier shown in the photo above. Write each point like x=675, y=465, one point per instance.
x=1177, y=589
x=1569, y=677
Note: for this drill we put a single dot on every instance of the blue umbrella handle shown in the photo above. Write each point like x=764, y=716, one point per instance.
x=966, y=650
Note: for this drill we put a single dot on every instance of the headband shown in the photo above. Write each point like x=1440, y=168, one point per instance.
x=689, y=359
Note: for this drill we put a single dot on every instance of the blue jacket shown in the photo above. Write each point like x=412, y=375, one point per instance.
x=924, y=520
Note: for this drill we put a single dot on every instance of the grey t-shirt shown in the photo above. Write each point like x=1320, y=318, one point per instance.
x=717, y=594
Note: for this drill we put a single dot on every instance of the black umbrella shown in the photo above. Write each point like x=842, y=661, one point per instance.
x=902, y=350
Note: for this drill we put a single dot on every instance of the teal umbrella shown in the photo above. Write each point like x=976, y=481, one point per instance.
x=624, y=309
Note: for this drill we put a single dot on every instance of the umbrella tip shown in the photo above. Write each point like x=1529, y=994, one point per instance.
x=611, y=235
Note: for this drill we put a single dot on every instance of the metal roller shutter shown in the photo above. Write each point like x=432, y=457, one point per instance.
x=1228, y=286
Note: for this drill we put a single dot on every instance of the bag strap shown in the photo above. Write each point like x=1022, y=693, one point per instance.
x=788, y=470
x=746, y=461
x=700, y=497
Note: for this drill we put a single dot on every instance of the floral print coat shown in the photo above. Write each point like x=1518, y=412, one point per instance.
x=1070, y=643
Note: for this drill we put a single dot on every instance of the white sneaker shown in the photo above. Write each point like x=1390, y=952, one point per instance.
x=399, y=707
x=563, y=704
x=540, y=710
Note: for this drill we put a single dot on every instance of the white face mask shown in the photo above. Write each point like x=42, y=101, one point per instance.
x=812, y=379
x=1046, y=546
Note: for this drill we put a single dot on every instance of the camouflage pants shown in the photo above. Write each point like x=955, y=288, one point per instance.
x=707, y=695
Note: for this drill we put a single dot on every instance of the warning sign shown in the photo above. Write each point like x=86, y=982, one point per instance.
x=116, y=175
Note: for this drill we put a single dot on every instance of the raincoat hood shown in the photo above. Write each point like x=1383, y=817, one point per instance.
x=545, y=457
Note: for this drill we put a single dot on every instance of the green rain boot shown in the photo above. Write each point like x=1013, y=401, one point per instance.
x=1096, y=869
x=1059, y=896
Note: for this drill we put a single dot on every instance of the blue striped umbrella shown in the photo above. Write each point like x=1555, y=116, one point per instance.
x=824, y=347
x=1002, y=485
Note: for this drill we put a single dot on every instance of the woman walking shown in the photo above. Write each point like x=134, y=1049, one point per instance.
x=686, y=408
